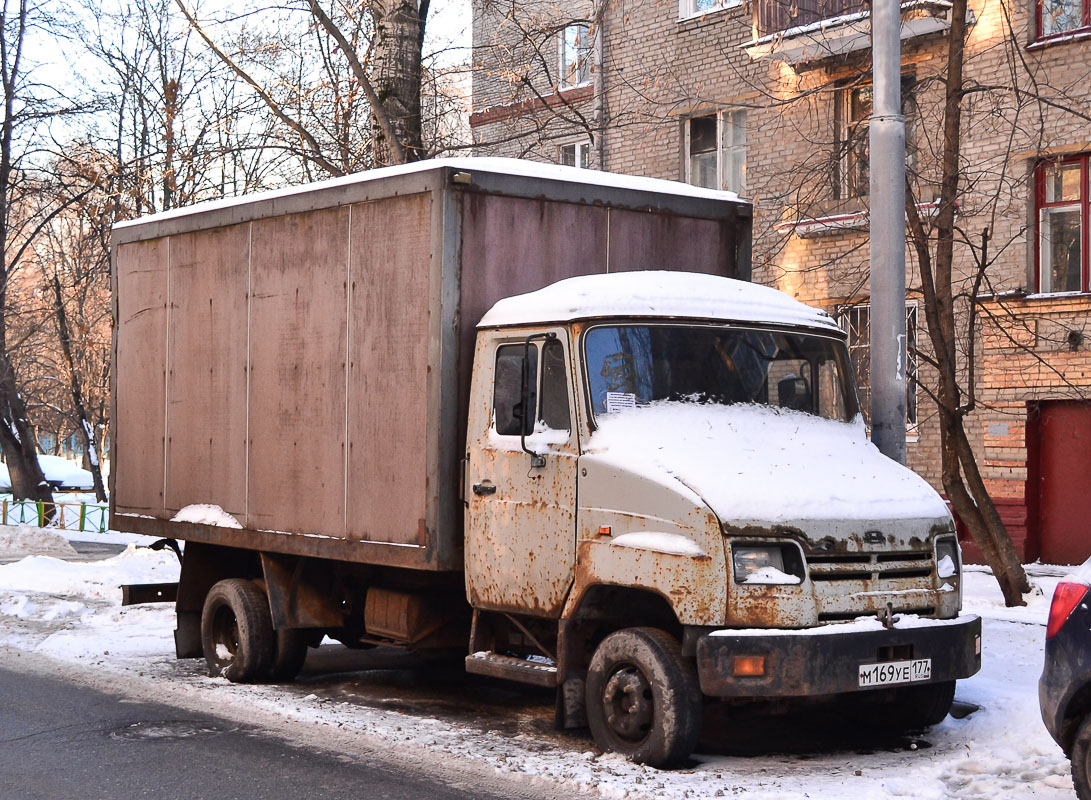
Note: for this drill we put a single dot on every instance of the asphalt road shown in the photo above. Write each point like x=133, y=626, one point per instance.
x=59, y=740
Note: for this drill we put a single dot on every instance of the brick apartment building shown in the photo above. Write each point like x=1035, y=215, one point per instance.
x=770, y=98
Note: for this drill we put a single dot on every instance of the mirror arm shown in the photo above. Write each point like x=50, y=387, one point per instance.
x=536, y=459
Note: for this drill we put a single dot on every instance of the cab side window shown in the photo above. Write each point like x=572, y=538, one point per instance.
x=507, y=409
x=555, y=387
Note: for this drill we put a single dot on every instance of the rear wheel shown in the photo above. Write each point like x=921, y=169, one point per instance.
x=1081, y=760
x=289, y=653
x=643, y=698
x=237, y=631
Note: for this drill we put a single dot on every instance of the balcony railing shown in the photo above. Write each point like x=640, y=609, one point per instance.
x=775, y=16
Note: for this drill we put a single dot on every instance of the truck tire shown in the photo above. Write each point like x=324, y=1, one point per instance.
x=643, y=697
x=237, y=631
x=289, y=653
x=923, y=706
x=1081, y=759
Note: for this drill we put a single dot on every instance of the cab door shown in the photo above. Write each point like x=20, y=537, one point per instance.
x=520, y=509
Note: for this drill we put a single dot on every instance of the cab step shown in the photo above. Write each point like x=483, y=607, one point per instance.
x=512, y=668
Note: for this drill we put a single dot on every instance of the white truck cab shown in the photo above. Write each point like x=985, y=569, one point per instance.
x=673, y=471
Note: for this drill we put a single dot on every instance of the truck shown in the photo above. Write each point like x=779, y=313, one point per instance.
x=533, y=415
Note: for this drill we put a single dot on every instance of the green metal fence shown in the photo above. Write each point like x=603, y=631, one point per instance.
x=86, y=517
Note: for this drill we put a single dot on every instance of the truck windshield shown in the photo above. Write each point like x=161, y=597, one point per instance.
x=630, y=365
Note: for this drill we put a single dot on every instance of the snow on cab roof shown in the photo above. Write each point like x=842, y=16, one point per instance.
x=655, y=294
x=504, y=166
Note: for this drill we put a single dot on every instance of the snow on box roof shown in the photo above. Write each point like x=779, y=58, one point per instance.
x=504, y=166
x=655, y=294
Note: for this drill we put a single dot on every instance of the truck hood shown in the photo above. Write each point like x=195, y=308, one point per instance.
x=759, y=466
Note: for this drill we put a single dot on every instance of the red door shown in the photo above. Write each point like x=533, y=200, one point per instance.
x=1064, y=468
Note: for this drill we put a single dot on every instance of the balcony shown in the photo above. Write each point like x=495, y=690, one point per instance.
x=804, y=31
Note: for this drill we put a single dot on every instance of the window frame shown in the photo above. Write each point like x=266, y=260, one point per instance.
x=845, y=127
x=687, y=9
x=537, y=389
x=580, y=147
x=1083, y=28
x=1084, y=204
x=723, y=149
x=583, y=54
x=845, y=319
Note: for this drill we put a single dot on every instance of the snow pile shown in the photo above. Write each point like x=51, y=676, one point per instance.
x=655, y=294
x=771, y=576
x=206, y=514
x=760, y=465
x=58, y=471
x=25, y=540
x=669, y=543
x=98, y=580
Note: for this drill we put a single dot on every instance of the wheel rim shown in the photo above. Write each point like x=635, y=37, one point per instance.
x=225, y=636
x=628, y=703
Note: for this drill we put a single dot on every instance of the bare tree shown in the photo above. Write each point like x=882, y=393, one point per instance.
x=23, y=215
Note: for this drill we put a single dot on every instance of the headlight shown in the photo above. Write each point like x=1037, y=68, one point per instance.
x=768, y=564
x=947, y=558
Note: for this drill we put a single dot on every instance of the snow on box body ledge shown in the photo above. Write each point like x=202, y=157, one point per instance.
x=760, y=466
x=685, y=295
x=501, y=166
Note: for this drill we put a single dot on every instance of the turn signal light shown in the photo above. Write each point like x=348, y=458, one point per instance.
x=1065, y=598
x=748, y=666
x=604, y=530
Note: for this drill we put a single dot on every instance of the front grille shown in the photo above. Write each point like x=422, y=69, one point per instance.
x=848, y=616
x=869, y=566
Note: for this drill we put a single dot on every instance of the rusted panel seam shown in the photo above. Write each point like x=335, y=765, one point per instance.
x=348, y=370
x=249, y=300
x=166, y=380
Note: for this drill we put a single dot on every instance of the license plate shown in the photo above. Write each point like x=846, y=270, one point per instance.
x=894, y=672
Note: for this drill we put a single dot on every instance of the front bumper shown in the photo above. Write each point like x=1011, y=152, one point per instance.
x=819, y=661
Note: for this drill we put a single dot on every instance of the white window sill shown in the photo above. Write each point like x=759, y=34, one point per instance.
x=686, y=16
x=570, y=87
x=1074, y=35
x=854, y=221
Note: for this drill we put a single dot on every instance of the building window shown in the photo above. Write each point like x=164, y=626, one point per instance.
x=854, y=109
x=1056, y=17
x=575, y=55
x=856, y=321
x=693, y=8
x=857, y=106
x=576, y=154
x=1061, y=189
x=716, y=151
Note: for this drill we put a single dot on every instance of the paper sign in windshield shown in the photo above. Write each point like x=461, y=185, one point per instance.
x=619, y=401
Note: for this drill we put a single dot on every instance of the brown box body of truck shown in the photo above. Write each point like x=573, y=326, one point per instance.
x=301, y=359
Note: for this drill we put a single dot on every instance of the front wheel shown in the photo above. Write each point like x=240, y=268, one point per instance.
x=237, y=631
x=643, y=697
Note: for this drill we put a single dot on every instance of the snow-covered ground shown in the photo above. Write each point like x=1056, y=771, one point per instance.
x=71, y=613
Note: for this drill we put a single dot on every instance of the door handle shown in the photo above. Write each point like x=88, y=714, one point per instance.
x=484, y=488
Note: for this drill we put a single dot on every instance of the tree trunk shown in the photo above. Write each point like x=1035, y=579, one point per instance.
x=75, y=388
x=962, y=479
x=18, y=443
x=396, y=75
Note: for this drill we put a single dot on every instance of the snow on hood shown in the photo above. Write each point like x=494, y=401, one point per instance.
x=655, y=293
x=759, y=465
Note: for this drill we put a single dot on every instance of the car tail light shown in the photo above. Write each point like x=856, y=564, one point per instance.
x=1065, y=598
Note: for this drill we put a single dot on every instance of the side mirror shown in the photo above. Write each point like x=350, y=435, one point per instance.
x=794, y=393
x=526, y=412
